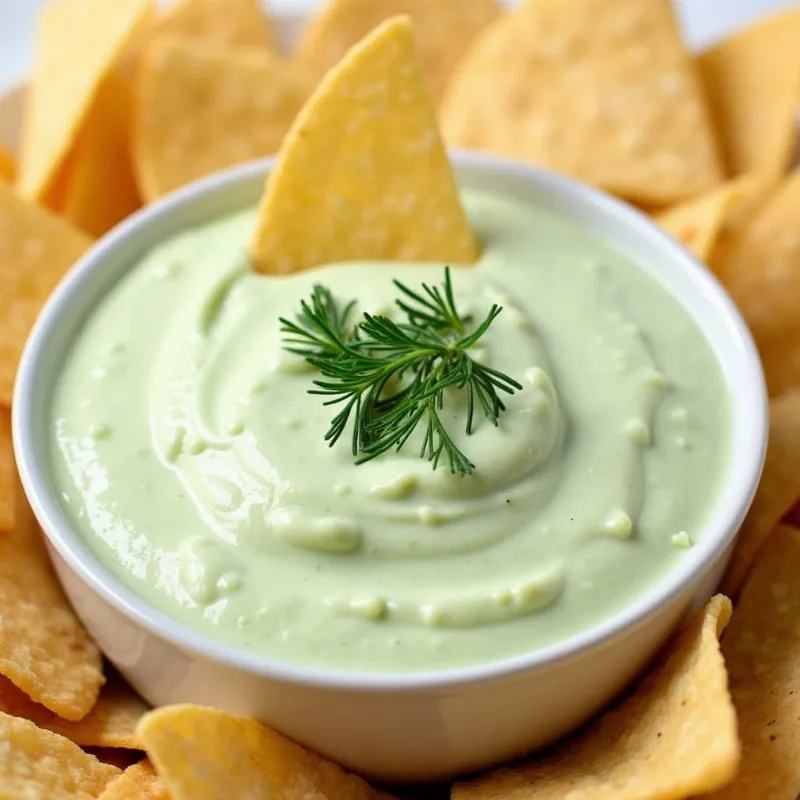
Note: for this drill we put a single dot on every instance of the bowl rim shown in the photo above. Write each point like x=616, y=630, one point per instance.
x=743, y=475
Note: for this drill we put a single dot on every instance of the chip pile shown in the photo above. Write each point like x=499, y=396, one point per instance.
x=126, y=104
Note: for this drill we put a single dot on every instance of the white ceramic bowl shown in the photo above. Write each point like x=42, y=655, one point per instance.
x=404, y=726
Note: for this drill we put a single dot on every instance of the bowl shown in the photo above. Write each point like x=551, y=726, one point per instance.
x=417, y=726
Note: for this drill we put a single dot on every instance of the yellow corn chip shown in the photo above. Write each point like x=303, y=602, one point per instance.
x=44, y=651
x=202, y=108
x=762, y=652
x=8, y=165
x=777, y=493
x=97, y=188
x=698, y=223
x=442, y=31
x=77, y=45
x=363, y=173
x=111, y=722
x=240, y=758
x=8, y=473
x=138, y=782
x=232, y=23
x=36, y=249
x=762, y=272
x=752, y=81
x=39, y=765
x=601, y=90
x=673, y=738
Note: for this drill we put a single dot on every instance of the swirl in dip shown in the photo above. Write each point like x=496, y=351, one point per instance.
x=191, y=458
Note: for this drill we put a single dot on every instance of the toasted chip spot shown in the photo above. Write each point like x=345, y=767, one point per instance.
x=674, y=737
x=40, y=765
x=442, y=30
x=777, y=493
x=363, y=173
x=618, y=106
x=752, y=81
x=111, y=722
x=240, y=758
x=232, y=23
x=203, y=108
x=78, y=43
x=8, y=165
x=36, y=249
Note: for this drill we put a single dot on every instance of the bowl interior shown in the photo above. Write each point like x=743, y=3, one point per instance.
x=631, y=232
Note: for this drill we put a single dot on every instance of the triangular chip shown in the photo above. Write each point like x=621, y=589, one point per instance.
x=752, y=82
x=777, y=493
x=602, y=90
x=762, y=653
x=39, y=765
x=363, y=172
x=232, y=23
x=44, y=650
x=77, y=44
x=8, y=473
x=698, y=223
x=673, y=738
x=204, y=108
x=138, y=782
x=36, y=249
x=111, y=722
x=442, y=31
x=762, y=272
x=96, y=189
x=8, y=165
x=239, y=758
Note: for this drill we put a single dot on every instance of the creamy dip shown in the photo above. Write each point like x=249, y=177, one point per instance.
x=191, y=457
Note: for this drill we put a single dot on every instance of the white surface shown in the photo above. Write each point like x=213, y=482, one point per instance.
x=416, y=725
x=704, y=21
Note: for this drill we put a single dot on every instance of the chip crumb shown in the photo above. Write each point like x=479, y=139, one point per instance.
x=39, y=765
x=639, y=749
x=681, y=539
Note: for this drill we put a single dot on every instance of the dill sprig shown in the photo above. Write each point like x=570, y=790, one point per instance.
x=391, y=377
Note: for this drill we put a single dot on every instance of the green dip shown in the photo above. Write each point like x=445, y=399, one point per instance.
x=191, y=459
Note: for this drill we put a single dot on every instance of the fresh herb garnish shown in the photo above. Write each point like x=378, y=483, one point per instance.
x=391, y=377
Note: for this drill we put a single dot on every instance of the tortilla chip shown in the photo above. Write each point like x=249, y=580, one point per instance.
x=36, y=249
x=8, y=473
x=601, y=90
x=39, y=765
x=97, y=188
x=138, y=782
x=8, y=165
x=777, y=493
x=698, y=223
x=674, y=737
x=240, y=758
x=363, y=172
x=203, y=108
x=443, y=31
x=752, y=82
x=762, y=274
x=762, y=651
x=111, y=722
x=77, y=45
x=44, y=651
x=230, y=23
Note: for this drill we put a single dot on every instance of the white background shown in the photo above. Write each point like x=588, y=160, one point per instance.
x=704, y=21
